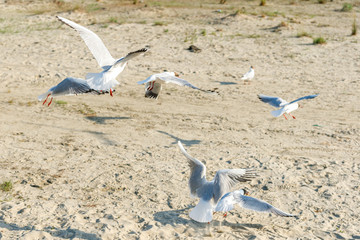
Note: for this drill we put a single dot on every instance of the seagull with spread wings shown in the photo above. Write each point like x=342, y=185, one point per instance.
x=68, y=86
x=153, y=83
x=285, y=107
x=112, y=67
x=241, y=198
x=210, y=192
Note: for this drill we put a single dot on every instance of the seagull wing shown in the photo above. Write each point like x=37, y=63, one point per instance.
x=306, y=97
x=94, y=43
x=129, y=56
x=273, y=101
x=72, y=86
x=197, y=169
x=227, y=178
x=170, y=77
x=258, y=205
x=226, y=203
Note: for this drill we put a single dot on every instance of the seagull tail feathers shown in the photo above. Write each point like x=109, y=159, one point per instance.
x=43, y=96
x=202, y=212
x=278, y=113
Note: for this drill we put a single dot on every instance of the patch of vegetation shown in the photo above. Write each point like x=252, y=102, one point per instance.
x=6, y=186
x=158, y=23
x=60, y=102
x=354, y=28
x=274, y=14
x=222, y=1
x=253, y=36
x=142, y=22
x=113, y=20
x=303, y=34
x=347, y=7
x=319, y=40
x=322, y=1
x=92, y=8
x=262, y=2
x=203, y=32
x=191, y=37
x=166, y=30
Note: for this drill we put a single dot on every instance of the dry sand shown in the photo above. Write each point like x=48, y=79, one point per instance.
x=101, y=167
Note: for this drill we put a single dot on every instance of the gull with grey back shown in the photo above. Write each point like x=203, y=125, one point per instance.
x=112, y=67
x=210, y=192
x=285, y=107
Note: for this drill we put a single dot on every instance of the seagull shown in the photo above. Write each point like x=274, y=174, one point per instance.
x=112, y=67
x=210, y=192
x=249, y=75
x=68, y=86
x=240, y=197
x=153, y=83
x=284, y=106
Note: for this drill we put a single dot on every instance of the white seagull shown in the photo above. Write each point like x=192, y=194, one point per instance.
x=284, y=106
x=68, y=86
x=227, y=202
x=249, y=75
x=153, y=83
x=210, y=192
x=112, y=67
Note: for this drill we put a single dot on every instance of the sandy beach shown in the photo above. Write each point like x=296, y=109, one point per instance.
x=102, y=167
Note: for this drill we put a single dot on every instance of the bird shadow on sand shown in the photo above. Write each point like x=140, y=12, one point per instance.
x=174, y=218
x=183, y=141
x=227, y=83
x=102, y=120
x=68, y=233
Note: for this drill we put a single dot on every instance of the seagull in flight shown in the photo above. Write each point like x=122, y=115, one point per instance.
x=241, y=198
x=112, y=67
x=285, y=107
x=68, y=86
x=153, y=83
x=210, y=192
x=247, y=77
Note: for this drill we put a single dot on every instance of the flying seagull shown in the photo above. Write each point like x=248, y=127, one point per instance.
x=153, y=83
x=240, y=197
x=284, y=106
x=112, y=67
x=249, y=75
x=210, y=192
x=68, y=86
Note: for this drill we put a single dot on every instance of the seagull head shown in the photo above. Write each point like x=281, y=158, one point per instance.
x=252, y=67
x=244, y=192
x=176, y=74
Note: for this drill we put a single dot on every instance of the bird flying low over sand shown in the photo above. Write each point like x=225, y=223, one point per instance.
x=247, y=77
x=210, y=192
x=153, y=83
x=68, y=86
x=241, y=198
x=285, y=107
x=112, y=67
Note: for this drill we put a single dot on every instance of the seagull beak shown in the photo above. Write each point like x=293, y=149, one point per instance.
x=246, y=193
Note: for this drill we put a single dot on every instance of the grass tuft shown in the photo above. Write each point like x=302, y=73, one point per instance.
x=6, y=186
x=158, y=23
x=303, y=34
x=322, y=1
x=60, y=102
x=354, y=28
x=347, y=7
x=319, y=40
x=262, y=2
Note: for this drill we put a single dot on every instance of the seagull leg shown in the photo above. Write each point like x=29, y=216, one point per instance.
x=285, y=116
x=111, y=92
x=50, y=102
x=46, y=98
x=208, y=230
x=292, y=116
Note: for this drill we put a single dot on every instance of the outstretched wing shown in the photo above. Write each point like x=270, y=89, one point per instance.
x=226, y=203
x=258, y=205
x=306, y=97
x=169, y=77
x=197, y=171
x=129, y=56
x=94, y=43
x=72, y=86
x=227, y=178
x=273, y=101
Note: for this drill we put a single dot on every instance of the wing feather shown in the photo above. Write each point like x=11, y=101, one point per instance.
x=93, y=42
x=303, y=98
x=273, y=101
x=197, y=171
